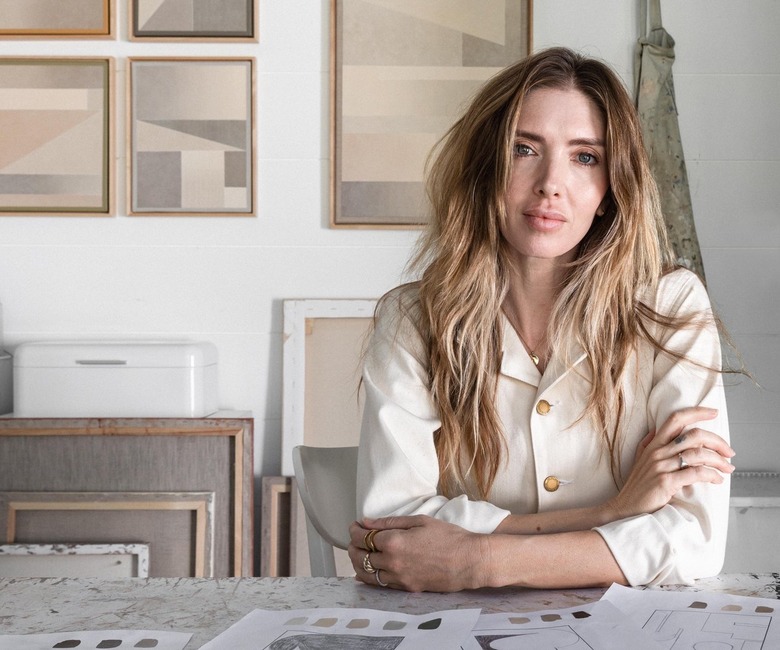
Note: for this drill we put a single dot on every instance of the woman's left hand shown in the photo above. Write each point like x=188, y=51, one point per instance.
x=417, y=553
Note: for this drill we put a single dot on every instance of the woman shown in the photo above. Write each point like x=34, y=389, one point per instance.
x=536, y=404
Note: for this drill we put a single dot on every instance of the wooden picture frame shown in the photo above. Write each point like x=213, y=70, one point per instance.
x=400, y=76
x=57, y=19
x=74, y=560
x=191, y=136
x=207, y=20
x=321, y=362
x=275, y=527
x=57, y=161
x=211, y=454
x=102, y=517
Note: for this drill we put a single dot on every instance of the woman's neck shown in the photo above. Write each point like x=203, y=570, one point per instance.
x=533, y=290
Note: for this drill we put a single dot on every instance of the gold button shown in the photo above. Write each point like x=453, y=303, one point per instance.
x=543, y=407
x=551, y=483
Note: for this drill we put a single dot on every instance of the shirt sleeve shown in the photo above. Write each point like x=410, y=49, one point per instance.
x=398, y=470
x=686, y=539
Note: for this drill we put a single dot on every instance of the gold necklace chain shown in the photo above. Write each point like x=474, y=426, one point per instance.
x=531, y=353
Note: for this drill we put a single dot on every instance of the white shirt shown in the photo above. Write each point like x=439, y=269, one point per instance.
x=398, y=469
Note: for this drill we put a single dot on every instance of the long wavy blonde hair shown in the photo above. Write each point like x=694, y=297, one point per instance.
x=467, y=266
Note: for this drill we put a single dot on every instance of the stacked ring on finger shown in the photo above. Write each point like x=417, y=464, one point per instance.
x=367, y=566
x=379, y=580
x=368, y=541
x=683, y=462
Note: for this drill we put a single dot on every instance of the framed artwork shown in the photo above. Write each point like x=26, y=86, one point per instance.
x=74, y=560
x=321, y=362
x=56, y=18
x=56, y=138
x=191, y=136
x=193, y=20
x=401, y=74
x=158, y=455
x=178, y=526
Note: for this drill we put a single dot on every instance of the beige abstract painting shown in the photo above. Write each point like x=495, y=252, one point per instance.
x=54, y=136
x=403, y=72
x=191, y=136
x=194, y=19
x=81, y=18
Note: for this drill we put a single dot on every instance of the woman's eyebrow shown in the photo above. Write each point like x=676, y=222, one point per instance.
x=535, y=137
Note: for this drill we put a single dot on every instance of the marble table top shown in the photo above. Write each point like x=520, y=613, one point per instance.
x=207, y=606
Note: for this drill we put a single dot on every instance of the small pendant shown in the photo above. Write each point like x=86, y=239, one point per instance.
x=534, y=358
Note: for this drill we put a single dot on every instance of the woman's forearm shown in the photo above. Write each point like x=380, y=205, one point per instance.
x=560, y=521
x=556, y=561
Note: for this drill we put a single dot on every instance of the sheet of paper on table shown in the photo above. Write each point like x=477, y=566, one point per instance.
x=367, y=629
x=698, y=619
x=96, y=639
x=592, y=625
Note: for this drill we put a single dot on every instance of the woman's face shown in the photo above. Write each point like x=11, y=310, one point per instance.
x=559, y=174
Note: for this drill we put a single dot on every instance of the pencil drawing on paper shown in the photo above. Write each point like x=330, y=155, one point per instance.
x=316, y=641
x=687, y=629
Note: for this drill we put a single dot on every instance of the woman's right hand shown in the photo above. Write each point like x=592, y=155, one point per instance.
x=676, y=455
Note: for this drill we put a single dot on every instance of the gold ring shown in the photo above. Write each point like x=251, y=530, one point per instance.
x=379, y=580
x=367, y=566
x=368, y=541
x=683, y=463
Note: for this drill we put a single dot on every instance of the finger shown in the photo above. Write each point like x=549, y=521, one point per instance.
x=698, y=474
x=696, y=437
x=399, y=522
x=680, y=420
x=357, y=533
x=704, y=456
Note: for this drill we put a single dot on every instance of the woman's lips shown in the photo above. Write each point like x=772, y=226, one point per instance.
x=544, y=220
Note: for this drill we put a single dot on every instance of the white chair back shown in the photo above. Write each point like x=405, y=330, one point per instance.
x=326, y=478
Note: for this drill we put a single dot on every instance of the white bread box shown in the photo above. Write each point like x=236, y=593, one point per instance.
x=115, y=379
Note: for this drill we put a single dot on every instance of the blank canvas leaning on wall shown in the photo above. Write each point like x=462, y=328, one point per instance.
x=191, y=136
x=323, y=344
x=55, y=135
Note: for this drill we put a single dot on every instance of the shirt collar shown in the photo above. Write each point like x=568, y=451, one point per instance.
x=517, y=363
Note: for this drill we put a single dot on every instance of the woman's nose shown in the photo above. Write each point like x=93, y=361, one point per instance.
x=550, y=179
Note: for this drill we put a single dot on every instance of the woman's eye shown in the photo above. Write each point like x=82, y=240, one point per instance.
x=586, y=158
x=522, y=150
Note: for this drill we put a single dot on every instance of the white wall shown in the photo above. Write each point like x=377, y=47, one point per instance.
x=224, y=279
x=727, y=82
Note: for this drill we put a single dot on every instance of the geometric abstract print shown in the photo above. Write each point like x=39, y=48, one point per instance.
x=193, y=18
x=54, y=136
x=405, y=70
x=191, y=136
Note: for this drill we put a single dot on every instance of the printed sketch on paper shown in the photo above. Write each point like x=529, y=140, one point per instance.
x=681, y=630
x=701, y=621
x=534, y=639
x=316, y=641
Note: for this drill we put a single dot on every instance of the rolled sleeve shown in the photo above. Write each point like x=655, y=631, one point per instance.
x=398, y=470
x=686, y=539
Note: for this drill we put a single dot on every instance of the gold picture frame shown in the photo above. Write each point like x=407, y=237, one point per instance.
x=57, y=19
x=57, y=161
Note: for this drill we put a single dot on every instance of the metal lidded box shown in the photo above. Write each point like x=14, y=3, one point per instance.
x=115, y=379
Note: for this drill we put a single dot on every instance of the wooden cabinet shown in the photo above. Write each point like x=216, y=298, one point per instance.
x=183, y=486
